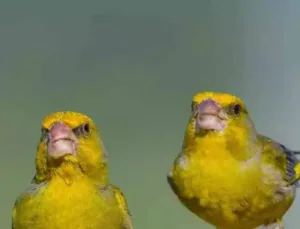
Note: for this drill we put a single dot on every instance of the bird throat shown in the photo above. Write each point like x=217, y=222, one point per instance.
x=220, y=145
x=67, y=170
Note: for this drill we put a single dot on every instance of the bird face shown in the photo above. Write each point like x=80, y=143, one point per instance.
x=70, y=135
x=221, y=120
x=73, y=138
x=218, y=113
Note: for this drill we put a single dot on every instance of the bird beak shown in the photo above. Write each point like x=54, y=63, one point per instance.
x=61, y=140
x=210, y=116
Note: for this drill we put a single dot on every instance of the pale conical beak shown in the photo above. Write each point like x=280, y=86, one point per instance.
x=61, y=140
x=210, y=116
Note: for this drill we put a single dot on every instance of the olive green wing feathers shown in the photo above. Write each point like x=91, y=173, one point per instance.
x=284, y=159
x=123, y=206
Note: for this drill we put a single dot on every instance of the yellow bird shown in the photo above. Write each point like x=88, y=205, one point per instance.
x=70, y=188
x=228, y=174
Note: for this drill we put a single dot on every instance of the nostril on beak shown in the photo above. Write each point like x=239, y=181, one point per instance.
x=59, y=129
x=208, y=106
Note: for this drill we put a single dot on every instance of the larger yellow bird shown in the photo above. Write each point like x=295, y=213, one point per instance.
x=70, y=188
x=228, y=174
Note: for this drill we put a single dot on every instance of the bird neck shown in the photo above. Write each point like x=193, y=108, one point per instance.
x=67, y=171
x=99, y=174
x=221, y=145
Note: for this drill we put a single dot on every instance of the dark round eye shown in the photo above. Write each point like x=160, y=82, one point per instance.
x=194, y=107
x=44, y=131
x=236, y=109
x=86, y=128
x=44, y=134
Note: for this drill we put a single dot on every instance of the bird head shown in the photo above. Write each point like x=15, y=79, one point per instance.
x=220, y=118
x=70, y=143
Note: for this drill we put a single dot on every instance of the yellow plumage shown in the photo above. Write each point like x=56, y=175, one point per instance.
x=70, y=189
x=226, y=173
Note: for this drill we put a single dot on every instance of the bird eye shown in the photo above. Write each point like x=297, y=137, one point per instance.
x=236, y=109
x=44, y=134
x=86, y=128
x=194, y=107
x=82, y=130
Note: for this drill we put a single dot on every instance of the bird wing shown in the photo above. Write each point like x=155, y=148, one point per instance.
x=284, y=159
x=119, y=196
x=30, y=191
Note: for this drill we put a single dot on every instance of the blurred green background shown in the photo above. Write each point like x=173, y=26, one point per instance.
x=133, y=66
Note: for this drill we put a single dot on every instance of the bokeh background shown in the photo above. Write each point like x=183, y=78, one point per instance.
x=133, y=66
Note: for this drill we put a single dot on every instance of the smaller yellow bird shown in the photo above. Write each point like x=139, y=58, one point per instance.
x=228, y=174
x=70, y=188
